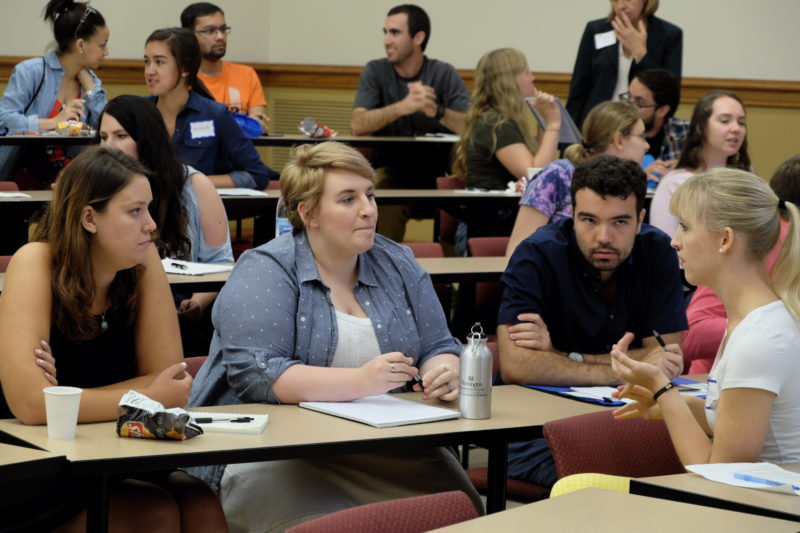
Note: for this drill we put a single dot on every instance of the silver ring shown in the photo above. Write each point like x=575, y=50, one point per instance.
x=449, y=386
x=391, y=367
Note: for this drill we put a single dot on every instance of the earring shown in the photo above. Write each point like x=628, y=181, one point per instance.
x=81, y=51
x=721, y=250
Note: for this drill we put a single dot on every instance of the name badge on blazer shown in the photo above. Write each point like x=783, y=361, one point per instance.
x=202, y=129
x=601, y=40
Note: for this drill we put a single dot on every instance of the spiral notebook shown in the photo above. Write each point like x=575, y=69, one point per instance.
x=383, y=411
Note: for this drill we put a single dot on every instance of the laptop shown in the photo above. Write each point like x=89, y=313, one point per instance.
x=570, y=134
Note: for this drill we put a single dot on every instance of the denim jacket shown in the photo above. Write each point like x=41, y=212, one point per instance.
x=19, y=95
x=275, y=312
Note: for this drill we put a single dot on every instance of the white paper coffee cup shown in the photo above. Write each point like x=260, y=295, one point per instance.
x=62, y=404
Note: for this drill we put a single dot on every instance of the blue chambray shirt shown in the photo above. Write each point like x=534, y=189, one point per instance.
x=275, y=312
x=20, y=92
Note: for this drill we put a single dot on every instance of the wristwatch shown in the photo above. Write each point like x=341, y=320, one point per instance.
x=577, y=357
x=440, y=109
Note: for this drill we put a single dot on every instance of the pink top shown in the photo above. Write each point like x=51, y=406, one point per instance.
x=660, y=216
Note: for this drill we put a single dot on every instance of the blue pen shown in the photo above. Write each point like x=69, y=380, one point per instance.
x=771, y=483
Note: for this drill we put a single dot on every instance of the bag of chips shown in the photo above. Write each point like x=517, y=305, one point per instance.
x=143, y=418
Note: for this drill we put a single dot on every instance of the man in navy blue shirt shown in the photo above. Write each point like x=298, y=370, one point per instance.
x=581, y=283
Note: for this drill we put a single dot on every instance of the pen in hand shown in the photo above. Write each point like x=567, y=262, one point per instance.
x=660, y=340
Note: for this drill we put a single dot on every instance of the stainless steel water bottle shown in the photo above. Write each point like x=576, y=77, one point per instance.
x=475, y=396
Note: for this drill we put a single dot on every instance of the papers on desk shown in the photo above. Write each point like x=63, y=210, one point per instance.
x=230, y=422
x=761, y=476
x=443, y=137
x=240, y=192
x=602, y=395
x=14, y=194
x=179, y=266
x=383, y=411
x=487, y=191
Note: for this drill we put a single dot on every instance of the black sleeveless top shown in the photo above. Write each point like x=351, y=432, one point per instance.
x=108, y=358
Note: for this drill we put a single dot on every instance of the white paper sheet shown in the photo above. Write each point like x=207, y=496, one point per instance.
x=240, y=192
x=179, y=266
x=761, y=476
x=10, y=194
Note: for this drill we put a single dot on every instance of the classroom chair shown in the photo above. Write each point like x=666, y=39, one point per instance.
x=404, y=515
x=447, y=222
x=15, y=231
x=4, y=260
x=193, y=364
x=443, y=290
x=598, y=443
x=487, y=293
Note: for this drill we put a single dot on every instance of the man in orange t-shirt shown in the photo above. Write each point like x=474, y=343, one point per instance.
x=235, y=85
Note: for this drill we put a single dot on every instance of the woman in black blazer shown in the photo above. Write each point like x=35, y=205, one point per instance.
x=632, y=31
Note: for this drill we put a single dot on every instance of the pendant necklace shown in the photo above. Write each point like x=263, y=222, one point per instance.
x=103, y=322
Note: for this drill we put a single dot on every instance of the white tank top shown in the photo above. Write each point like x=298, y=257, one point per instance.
x=357, y=342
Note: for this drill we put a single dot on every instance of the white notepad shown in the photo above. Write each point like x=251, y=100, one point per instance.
x=383, y=411
x=255, y=426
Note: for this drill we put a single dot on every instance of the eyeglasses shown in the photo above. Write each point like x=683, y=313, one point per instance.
x=626, y=97
x=212, y=30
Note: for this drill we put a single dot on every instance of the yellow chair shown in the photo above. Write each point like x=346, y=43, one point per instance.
x=577, y=482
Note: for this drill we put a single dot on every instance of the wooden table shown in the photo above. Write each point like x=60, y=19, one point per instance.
x=18, y=462
x=517, y=413
x=6, y=140
x=694, y=488
x=604, y=511
x=17, y=212
x=441, y=270
x=293, y=139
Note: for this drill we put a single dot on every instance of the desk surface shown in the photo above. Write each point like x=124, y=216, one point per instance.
x=295, y=432
x=696, y=489
x=441, y=270
x=602, y=511
x=19, y=461
x=292, y=139
x=47, y=139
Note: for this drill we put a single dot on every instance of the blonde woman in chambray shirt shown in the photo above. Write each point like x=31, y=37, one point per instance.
x=329, y=312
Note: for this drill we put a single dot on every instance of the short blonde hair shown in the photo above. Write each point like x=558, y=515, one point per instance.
x=303, y=178
x=650, y=8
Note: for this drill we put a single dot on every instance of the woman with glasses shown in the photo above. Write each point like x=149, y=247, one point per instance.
x=45, y=91
x=717, y=138
x=613, y=49
x=611, y=128
x=204, y=132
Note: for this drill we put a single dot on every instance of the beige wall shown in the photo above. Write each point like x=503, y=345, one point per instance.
x=723, y=38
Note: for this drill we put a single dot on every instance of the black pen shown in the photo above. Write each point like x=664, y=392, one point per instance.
x=419, y=381
x=178, y=265
x=209, y=420
x=660, y=340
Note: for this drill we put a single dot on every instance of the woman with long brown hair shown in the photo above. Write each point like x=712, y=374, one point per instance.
x=88, y=305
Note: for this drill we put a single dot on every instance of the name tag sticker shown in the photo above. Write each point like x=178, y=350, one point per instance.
x=601, y=40
x=202, y=130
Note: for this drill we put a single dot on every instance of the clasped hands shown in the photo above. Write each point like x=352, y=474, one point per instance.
x=391, y=370
x=420, y=98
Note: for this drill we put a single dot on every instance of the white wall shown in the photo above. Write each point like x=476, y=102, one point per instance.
x=722, y=38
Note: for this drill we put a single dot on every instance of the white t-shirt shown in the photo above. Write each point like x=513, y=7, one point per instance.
x=623, y=71
x=763, y=352
x=357, y=342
